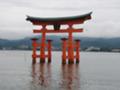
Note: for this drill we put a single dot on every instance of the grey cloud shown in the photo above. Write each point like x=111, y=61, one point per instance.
x=105, y=15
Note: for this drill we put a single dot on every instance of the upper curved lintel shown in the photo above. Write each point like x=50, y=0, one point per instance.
x=59, y=19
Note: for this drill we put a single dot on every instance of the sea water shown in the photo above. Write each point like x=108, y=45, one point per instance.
x=96, y=71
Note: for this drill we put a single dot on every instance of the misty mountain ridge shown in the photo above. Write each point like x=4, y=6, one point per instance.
x=85, y=42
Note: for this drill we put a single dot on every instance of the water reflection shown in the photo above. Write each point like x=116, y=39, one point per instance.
x=67, y=77
x=70, y=78
x=41, y=74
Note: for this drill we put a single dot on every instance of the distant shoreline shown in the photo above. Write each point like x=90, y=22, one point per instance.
x=60, y=50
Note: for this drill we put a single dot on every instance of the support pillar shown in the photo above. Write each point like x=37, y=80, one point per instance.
x=42, y=48
x=77, y=44
x=49, y=50
x=64, y=50
x=70, y=49
x=34, y=45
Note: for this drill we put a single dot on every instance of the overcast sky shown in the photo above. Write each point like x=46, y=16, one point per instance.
x=105, y=20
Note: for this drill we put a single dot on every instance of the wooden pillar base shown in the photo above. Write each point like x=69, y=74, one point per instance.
x=42, y=60
x=63, y=61
x=77, y=61
x=49, y=60
x=70, y=61
x=33, y=60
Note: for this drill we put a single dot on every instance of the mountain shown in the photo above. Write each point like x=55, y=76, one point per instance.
x=101, y=42
x=104, y=43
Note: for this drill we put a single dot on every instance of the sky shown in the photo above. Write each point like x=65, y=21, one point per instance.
x=105, y=20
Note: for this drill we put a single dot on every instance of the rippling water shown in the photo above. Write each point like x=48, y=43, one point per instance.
x=96, y=71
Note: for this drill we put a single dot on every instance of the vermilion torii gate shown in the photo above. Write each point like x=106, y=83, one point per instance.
x=68, y=44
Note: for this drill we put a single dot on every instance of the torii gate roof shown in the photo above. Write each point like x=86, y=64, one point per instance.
x=60, y=20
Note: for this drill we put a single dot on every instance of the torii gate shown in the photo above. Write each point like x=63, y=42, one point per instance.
x=67, y=43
